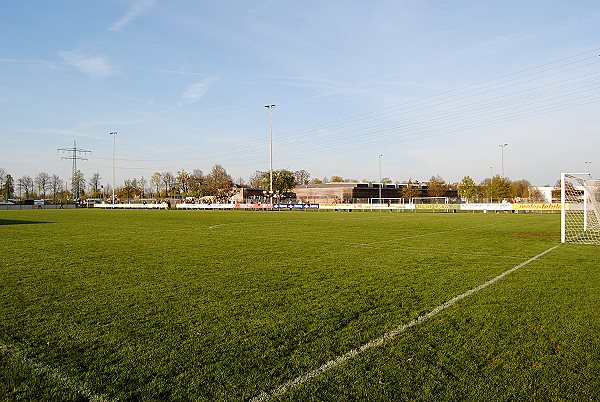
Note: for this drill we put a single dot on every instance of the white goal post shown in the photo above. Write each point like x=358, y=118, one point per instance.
x=580, y=208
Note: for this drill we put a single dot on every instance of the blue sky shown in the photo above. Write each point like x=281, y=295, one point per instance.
x=433, y=86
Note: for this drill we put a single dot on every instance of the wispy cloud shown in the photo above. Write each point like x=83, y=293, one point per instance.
x=541, y=32
x=93, y=66
x=139, y=7
x=28, y=61
x=196, y=91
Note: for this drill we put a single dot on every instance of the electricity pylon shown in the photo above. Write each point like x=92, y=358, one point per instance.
x=74, y=156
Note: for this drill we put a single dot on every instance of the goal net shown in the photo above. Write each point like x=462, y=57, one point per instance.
x=580, y=216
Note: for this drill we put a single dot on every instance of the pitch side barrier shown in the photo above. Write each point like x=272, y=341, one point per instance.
x=205, y=206
x=505, y=206
x=366, y=207
x=481, y=207
x=538, y=207
x=513, y=207
x=249, y=206
x=132, y=206
x=253, y=206
x=296, y=206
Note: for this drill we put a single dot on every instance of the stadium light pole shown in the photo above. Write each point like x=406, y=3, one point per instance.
x=588, y=166
x=270, y=107
x=114, y=135
x=502, y=146
x=380, y=155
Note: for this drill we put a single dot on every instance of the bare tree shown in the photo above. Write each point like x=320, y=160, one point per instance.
x=197, y=183
x=42, y=181
x=94, y=183
x=56, y=185
x=78, y=183
x=302, y=177
x=156, y=181
x=219, y=183
x=169, y=182
x=106, y=190
x=255, y=179
x=536, y=195
x=25, y=186
x=142, y=183
x=182, y=181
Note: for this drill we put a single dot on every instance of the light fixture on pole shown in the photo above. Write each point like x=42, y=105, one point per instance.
x=502, y=146
x=588, y=165
x=270, y=107
x=380, y=155
x=114, y=134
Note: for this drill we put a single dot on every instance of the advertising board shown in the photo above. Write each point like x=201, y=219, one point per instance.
x=486, y=207
x=296, y=206
x=536, y=207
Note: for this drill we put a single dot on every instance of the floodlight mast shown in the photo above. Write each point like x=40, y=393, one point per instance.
x=270, y=107
x=114, y=135
x=502, y=146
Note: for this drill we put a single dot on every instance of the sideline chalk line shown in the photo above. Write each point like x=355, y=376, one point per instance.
x=73, y=385
x=283, y=388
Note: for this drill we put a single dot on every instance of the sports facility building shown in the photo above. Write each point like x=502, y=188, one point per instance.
x=352, y=192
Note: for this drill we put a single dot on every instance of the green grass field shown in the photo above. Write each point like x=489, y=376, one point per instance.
x=227, y=305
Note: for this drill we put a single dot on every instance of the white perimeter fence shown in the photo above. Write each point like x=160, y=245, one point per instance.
x=481, y=207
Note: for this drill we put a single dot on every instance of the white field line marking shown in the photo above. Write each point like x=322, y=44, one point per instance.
x=420, y=235
x=54, y=374
x=283, y=388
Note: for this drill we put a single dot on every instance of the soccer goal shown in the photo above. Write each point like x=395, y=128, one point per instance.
x=580, y=215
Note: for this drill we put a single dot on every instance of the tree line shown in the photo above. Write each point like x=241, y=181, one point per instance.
x=43, y=185
x=218, y=183
x=498, y=187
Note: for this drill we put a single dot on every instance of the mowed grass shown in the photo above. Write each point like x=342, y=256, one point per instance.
x=225, y=305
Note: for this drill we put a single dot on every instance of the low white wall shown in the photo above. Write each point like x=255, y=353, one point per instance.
x=131, y=206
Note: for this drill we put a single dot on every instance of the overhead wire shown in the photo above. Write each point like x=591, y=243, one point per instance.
x=487, y=106
x=444, y=112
